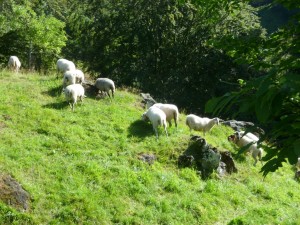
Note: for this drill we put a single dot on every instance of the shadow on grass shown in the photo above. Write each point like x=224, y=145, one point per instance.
x=240, y=157
x=140, y=129
x=56, y=105
x=54, y=92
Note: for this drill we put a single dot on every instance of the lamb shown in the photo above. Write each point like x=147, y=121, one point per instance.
x=201, y=123
x=105, y=85
x=72, y=77
x=244, y=141
x=157, y=117
x=72, y=92
x=171, y=112
x=63, y=65
x=14, y=63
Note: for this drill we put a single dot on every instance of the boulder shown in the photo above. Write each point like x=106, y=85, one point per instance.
x=206, y=158
x=147, y=99
x=12, y=193
x=148, y=158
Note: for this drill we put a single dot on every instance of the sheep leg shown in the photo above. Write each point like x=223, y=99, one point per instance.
x=165, y=127
x=155, y=131
x=174, y=117
x=254, y=155
x=260, y=157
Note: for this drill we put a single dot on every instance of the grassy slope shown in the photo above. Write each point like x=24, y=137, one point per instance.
x=82, y=167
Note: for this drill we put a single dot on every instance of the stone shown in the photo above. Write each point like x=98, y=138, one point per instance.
x=12, y=193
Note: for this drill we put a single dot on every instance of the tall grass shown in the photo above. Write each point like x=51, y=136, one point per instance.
x=82, y=167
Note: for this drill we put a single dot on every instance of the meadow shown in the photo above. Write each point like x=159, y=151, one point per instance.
x=82, y=167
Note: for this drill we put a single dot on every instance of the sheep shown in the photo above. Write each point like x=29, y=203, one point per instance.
x=73, y=77
x=171, y=112
x=157, y=117
x=14, y=63
x=201, y=123
x=63, y=65
x=248, y=134
x=72, y=92
x=105, y=85
x=252, y=145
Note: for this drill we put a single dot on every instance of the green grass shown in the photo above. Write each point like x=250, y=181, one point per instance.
x=83, y=167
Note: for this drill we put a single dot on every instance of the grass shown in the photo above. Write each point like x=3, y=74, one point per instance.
x=83, y=167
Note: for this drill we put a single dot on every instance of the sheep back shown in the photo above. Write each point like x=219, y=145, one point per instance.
x=72, y=77
x=64, y=65
x=200, y=123
x=157, y=117
x=14, y=63
x=170, y=110
x=106, y=85
x=72, y=92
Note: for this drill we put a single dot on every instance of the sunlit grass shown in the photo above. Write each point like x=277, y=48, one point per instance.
x=82, y=167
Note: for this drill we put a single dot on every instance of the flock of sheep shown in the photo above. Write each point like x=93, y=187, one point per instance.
x=73, y=79
x=158, y=114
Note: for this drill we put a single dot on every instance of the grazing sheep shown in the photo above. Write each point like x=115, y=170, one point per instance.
x=72, y=92
x=244, y=141
x=73, y=77
x=171, y=112
x=14, y=63
x=63, y=65
x=200, y=123
x=105, y=85
x=157, y=117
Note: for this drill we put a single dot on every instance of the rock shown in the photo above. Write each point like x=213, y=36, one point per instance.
x=185, y=160
x=238, y=125
x=226, y=157
x=89, y=89
x=242, y=125
x=222, y=169
x=297, y=175
x=201, y=155
x=148, y=158
x=147, y=99
x=206, y=158
x=12, y=193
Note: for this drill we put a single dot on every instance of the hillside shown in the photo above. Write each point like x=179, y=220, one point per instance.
x=83, y=167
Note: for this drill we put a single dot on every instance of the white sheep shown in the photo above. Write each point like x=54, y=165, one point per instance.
x=201, y=123
x=171, y=112
x=248, y=134
x=73, y=77
x=72, y=92
x=157, y=117
x=14, y=63
x=244, y=141
x=63, y=65
x=105, y=85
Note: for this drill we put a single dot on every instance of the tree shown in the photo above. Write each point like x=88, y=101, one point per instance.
x=36, y=39
x=167, y=48
x=273, y=98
